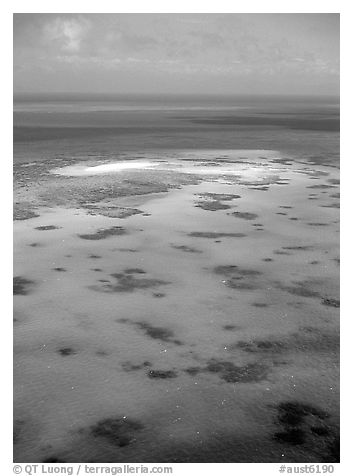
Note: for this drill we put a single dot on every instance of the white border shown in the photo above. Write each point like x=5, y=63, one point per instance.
x=182, y=6
x=133, y=6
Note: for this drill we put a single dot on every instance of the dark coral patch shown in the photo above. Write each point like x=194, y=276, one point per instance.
x=104, y=233
x=23, y=213
x=187, y=249
x=260, y=188
x=333, y=451
x=53, y=459
x=66, y=351
x=113, y=211
x=292, y=436
x=22, y=286
x=212, y=206
x=47, y=227
x=301, y=422
x=130, y=367
x=127, y=282
x=120, y=431
x=158, y=295
x=230, y=270
x=162, y=374
x=134, y=271
x=322, y=186
x=159, y=333
x=193, y=370
x=233, y=283
x=317, y=224
x=283, y=161
x=253, y=372
x=231, y=373
x=17, y=430
x=211, y=234
x=155, y=332
x=320, y=430
x=238, y=278
x=219, y=196
x=330, y=302
x=262, y=346
x=244, y=215
x=293, y=413
x=306, y=340
x=230, y=327
x=331, y=205
x=298, y=247
x=301, y=288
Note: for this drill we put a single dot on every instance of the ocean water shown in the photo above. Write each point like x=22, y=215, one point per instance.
x=73, y=125
x=176, y=279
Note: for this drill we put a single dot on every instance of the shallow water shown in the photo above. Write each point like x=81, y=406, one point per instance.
x=180, y=338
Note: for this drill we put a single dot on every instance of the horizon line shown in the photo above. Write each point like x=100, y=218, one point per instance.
x=172, y=94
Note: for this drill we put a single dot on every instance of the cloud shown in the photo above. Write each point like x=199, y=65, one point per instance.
x=67, y=33
x=171, y=48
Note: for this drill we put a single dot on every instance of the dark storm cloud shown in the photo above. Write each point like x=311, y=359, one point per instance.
x=230, y=53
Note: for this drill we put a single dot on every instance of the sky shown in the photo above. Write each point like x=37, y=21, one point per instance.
x=177, y=53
